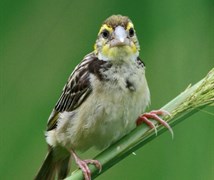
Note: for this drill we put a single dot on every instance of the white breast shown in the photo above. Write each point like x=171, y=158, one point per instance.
x=109, y=112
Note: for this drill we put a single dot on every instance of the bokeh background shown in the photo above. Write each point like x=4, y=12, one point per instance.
x=41, y=41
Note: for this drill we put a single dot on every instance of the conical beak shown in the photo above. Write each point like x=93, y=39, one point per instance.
x=120, y=37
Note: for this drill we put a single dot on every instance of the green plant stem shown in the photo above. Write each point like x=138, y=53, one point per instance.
x=184, y=105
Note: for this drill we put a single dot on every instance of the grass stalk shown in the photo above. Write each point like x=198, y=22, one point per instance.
x=193, y=99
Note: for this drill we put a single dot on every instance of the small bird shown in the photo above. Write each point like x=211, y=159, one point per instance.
x=102, y=101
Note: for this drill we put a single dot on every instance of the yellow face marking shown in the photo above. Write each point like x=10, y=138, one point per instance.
x=105, y=50
x=114, y=52
x=104, y=26
x=133, y=48
x=130, y=25
x=95, y=48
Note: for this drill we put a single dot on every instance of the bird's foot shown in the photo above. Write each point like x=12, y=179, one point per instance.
x=83, y=165
x=154, y=115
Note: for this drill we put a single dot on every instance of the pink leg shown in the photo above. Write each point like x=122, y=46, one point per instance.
x=154, y=115
x=83, y=165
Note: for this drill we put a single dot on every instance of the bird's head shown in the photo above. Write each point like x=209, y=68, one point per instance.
x=117, y=39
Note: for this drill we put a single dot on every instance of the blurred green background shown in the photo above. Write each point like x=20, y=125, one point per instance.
x=41, y=41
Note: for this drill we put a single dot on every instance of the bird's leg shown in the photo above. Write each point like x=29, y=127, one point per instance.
x=154, y=115
x=83, y=165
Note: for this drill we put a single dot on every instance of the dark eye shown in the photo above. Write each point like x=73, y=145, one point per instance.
x=105, y=34
x=131, y=32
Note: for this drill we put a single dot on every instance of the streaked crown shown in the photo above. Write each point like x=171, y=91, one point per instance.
x=117, y=20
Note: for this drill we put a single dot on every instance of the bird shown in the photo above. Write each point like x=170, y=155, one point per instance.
x=102, y=101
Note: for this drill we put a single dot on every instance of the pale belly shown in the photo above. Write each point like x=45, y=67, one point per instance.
x=108, y=114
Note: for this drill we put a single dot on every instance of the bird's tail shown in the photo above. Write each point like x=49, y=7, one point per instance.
x=54, y=165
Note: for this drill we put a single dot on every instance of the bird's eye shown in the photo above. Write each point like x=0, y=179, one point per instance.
x=131, y=32
x=105, y=34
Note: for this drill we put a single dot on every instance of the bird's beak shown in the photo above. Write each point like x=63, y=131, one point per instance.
x=120, y=37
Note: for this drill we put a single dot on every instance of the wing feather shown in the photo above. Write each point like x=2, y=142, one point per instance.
x=78, y=87
x=75, y=91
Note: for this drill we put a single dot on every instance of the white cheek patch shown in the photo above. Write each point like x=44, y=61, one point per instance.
x=120, y=33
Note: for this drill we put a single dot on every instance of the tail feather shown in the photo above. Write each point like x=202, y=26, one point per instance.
x=63, y=168
x=53, y=167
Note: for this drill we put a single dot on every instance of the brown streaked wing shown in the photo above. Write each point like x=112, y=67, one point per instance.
x=74, y=92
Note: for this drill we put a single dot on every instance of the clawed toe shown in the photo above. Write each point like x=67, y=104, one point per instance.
x=95, y=162
x=155, y=115
x=83, y=165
